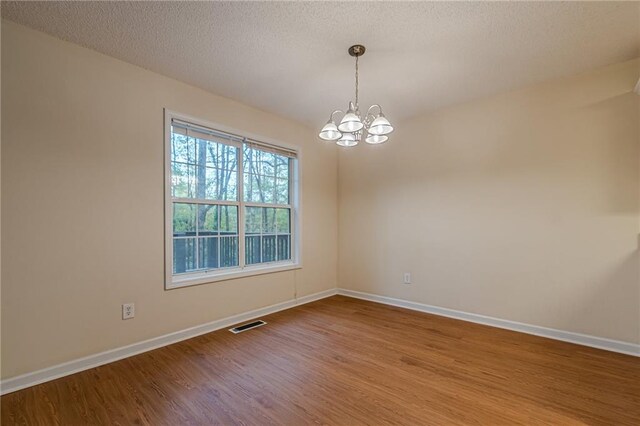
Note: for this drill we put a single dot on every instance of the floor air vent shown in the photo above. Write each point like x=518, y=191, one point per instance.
x=247, y=326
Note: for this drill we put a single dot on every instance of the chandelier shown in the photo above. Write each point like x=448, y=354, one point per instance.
x=352, y=128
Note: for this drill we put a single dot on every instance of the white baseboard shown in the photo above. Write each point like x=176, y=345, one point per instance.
x=51, y=373
x=566, y=336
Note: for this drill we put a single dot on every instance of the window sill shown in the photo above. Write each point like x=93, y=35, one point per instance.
x=198, y=279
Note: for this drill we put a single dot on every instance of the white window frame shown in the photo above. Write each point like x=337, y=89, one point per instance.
x=202, y=277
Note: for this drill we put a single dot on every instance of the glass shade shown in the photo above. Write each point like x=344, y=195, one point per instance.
x=330, y=132
x=380, y=126
x=350, y=122
x=347, y=139
x=376, y=139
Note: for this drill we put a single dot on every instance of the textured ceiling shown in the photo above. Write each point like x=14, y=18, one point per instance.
x=291, y=58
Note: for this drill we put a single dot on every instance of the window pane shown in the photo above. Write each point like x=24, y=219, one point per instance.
x=255, y=189
x=229, y=183
x=211, y=153
x=228, y=220
x=252, y=249
x=268, y=248
x=268, y=221
x=184, y=255
x=201, y=152
x=248, y=187
x=259, y=189
x=259, y=162
x=207, y=219
x=249, y=159
x=208, y=253
x=227, y=157
x=211, y=184
x=219, y=155
x=282, y=167
x=203, y=169
x=220, y=184
x=184, y=219
x=266, y=163
x=253, y=220
x=183, y=180
x=267, y=189
x=266, y=178
x=284, y=247
x=283, y=221
x=183, y=149
x=282, y=191
x=228, y=251
x=216, y=232
x=268, y=236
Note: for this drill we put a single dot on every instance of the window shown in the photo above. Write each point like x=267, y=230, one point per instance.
x=231, y=204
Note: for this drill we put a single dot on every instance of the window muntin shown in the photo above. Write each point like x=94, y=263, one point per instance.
x=231, y=203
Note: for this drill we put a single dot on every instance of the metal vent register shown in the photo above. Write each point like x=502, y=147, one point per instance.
x=247, y=326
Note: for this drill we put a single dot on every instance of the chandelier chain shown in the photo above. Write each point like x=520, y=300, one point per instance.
x=357, y=108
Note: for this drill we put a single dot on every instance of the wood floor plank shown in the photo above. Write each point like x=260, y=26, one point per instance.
x=342, y=361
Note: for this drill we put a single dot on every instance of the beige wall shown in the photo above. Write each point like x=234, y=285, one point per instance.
x=82, y=200
x=523, y=206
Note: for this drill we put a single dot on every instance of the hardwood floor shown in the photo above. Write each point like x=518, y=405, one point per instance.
x=343, y=361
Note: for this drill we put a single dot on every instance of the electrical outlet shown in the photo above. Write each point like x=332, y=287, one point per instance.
x=407, y=277
x=128, y=310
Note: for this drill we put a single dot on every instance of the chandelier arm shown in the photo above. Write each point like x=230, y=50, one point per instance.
x=372, y=106
x=368, y=119
x=331, y=116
